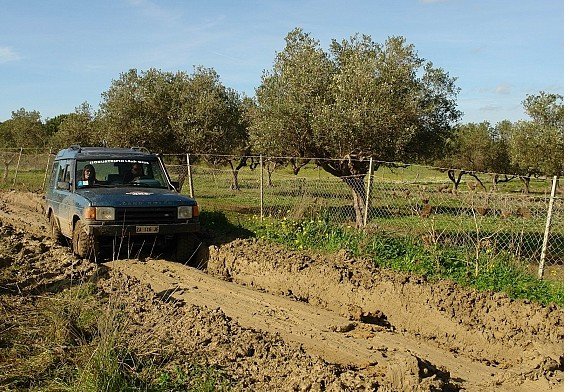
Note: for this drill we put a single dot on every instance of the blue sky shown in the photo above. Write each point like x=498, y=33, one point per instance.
x=56, y=54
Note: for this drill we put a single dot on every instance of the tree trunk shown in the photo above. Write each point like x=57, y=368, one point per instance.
x=269, y=173
x=235, y=184
x=455, y=179
x=5, y=174
x=526, y=182
x=358, y=188
x=242, y=162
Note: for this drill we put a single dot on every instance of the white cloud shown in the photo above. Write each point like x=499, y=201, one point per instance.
x=503, y=89
x=7, y=54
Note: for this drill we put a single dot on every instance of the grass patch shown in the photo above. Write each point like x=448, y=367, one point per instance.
x=72, y=341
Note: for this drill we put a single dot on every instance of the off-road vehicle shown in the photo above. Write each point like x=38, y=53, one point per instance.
x=120, y=199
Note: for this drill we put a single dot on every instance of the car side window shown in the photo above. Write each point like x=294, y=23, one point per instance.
x=54, y=175
x=64, y=175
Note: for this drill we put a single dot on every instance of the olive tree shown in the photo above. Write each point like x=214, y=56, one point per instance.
x=211, y=121
x=138, y=110
x=79, y=127
x=536, y=147
x=289, y=97
x=23, y=130
x=174, y=112
x=360, y=100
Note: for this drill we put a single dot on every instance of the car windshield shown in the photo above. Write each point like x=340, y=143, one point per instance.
x=120, y=173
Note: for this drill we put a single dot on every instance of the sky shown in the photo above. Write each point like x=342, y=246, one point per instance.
x=56, y=55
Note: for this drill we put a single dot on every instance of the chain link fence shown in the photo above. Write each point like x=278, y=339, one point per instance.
x=400, y=200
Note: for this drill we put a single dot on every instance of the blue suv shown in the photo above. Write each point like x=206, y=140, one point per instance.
x=118, y=198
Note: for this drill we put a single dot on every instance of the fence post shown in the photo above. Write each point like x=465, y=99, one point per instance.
x=46, y=171
x=17, y=167
x=261, y=186
x=547, y=230
x=368, y=193
x=190, y=179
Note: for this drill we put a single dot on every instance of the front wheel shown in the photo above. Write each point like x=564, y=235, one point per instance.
x=83, y=244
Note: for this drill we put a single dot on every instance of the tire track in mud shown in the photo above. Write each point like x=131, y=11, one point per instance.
x=402, y=361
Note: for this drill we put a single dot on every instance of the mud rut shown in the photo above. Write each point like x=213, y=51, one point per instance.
x=281, y=320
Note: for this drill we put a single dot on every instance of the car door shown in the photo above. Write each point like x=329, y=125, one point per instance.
x=61, y=196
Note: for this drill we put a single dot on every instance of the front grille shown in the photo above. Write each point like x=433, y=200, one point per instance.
x=145, y=215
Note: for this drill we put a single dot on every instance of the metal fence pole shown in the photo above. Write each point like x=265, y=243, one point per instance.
x=547, y=230
x=46, y=171
x=17, y=167
x=261, y=186
x=190, y=179
x=368, y=193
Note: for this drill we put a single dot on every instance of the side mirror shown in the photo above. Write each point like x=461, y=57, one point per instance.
x=63, y=185
x=176, y=185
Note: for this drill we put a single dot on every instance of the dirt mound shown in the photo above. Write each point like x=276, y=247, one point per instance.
x=23, y=210
x=255, y=360
x=522, y=340
x=35, y=264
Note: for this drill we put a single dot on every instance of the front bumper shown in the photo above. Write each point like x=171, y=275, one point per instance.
x=111, y=230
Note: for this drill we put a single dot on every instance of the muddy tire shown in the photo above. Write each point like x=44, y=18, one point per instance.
x=186, y=245
x=55, y=232
x=83, y=244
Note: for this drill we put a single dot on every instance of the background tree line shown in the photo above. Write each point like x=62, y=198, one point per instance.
x=355, y=101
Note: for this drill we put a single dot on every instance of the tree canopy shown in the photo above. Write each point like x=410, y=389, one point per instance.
x=173, y=112
x=360, y=100
x=536, y=147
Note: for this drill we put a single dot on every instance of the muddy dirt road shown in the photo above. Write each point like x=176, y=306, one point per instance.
x=281, y=320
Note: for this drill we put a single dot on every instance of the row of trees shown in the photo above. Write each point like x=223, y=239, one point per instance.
x=356, y=101
x=523, y=149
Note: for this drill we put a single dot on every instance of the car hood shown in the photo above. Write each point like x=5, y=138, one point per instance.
x=134, y=197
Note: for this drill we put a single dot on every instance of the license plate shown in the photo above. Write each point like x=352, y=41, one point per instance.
x=147, y=229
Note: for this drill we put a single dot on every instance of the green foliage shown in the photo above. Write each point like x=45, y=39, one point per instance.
x=536, y=150
x=169, y=112
x=536, y=147
x=52, y=124
x=475, y=147
x=495, y=271
x=361, y=99
x=23, y=130
x=80, y=127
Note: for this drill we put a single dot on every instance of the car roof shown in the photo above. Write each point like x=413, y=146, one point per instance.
x=78, y=152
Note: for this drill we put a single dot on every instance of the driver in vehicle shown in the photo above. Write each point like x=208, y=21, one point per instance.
x=89, y=175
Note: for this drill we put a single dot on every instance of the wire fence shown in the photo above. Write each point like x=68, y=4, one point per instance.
x=400, y=200
x=403, y=200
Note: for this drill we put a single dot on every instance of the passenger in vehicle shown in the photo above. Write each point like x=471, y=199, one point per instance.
x=137, y=171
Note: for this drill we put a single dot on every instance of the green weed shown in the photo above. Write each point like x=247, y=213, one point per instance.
x=490, y=270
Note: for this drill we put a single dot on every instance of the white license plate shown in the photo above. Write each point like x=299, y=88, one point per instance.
x=147, y=229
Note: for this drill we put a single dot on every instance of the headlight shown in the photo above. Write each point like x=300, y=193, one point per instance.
x=105, y=213
x=100, y=213
x=185, y=212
